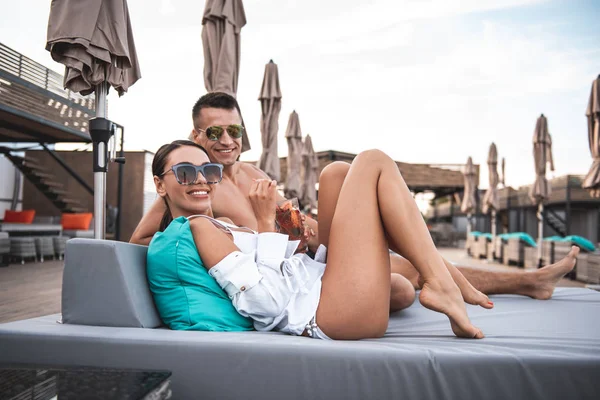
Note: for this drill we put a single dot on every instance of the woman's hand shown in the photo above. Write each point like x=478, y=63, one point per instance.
x=263, y=195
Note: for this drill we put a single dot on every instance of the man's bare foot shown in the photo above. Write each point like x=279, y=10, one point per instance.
x=446, y=298
x=541, y=282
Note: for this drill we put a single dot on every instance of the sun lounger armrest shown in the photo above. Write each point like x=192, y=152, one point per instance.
x=104, y=284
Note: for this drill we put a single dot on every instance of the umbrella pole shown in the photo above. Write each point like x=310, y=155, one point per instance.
x=540, y=233
x=493, y=229
x=101, y=130
x=468, y=224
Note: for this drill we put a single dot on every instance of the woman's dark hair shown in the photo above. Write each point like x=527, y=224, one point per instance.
x=159, y=164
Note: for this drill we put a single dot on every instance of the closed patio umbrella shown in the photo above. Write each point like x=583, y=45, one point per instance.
x=503, y=172
x=592, y=179
x=540, y=191
x=468, y=202
x=94, y=40
x=222, y=24
x=270, y=104
x=293, y=134
x=310, y=171
x=490, y=200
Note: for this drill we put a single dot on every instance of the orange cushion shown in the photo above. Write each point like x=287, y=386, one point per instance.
x=23, y=217
x=74, y=221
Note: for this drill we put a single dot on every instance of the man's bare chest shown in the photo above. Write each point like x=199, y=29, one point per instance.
x=231, y=201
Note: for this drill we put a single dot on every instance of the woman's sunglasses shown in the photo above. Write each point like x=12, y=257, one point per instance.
x=215, y=132
x=187, y=174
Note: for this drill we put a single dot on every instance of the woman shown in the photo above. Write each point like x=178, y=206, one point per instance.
x=368, y=213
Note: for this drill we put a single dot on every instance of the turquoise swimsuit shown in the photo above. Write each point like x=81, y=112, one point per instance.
x=186, y=296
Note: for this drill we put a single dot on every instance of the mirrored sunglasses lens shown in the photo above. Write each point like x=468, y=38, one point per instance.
x=212, y=173
x=214, y=132
x=186, y=174
x=235, y=131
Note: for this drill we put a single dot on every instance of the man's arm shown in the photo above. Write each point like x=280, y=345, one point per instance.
x=149, y=224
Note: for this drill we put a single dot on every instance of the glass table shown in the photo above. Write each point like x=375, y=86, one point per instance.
x=49, y=383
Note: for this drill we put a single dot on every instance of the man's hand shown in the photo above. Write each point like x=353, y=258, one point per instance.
x=312, y=229
x=263, y=194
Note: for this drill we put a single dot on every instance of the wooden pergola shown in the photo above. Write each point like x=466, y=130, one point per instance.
x=441, y=179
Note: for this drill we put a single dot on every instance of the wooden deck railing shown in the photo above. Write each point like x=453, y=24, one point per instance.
x=33, y=72
x=30, y=90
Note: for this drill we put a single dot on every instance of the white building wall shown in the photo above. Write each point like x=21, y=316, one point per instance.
x=7, y=185
x=149, y=188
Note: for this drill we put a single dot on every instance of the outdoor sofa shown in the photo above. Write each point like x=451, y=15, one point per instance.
x=533, y=349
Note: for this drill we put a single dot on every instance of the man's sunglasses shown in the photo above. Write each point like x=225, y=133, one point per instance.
x=215, y=132
x=187, y=174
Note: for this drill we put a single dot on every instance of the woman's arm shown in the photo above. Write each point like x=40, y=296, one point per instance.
x=213, y=244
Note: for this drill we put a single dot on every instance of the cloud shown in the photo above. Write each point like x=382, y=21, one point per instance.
x=426, y=81
x=167, y=7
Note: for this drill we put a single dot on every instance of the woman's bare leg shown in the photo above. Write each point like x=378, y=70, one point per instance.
x=336, y=174
x=402, y=292
x=355, y=295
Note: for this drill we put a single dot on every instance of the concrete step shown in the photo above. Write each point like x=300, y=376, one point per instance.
x=77, y=209
x=43, y=175
x=68, y=201
x=52, y=184
x=57, y=192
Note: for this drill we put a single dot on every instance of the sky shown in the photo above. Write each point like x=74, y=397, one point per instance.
x=427, y=81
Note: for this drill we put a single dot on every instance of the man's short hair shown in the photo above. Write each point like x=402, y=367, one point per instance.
x=215, y=100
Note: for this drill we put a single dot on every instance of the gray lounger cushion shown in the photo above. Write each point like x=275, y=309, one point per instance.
x=533, y=350
x=104, y=284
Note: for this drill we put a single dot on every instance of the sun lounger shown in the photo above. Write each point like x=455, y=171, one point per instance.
x=22, y=248
x=480, y=248
x=515, y=250
x=59, y=243
x=533, y=349
x=469, y=243
x=498, y=248
x=548, y=252
x=593, y=268
x=530, y=258
x=44, y=247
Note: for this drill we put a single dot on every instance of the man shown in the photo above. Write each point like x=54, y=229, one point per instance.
x=216, y=118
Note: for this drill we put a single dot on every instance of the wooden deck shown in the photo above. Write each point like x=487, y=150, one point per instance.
x=30, y=290
x=34, y=289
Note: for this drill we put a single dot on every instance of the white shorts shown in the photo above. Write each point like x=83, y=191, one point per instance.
x=276, y=294
x=313, y=330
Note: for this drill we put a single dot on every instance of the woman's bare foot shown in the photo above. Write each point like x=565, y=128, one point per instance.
x=446, y=298
x=469, y=293
x=540, y=283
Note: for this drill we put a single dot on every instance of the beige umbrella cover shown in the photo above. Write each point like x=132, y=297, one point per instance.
x=310, y=169
x=222, y=23
x=490, y=200
x=470, y=175
x=503, y=172
x=592, y=179
x=293, y=134
x=542, y=154
x=270, y=104
x=94, y=40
